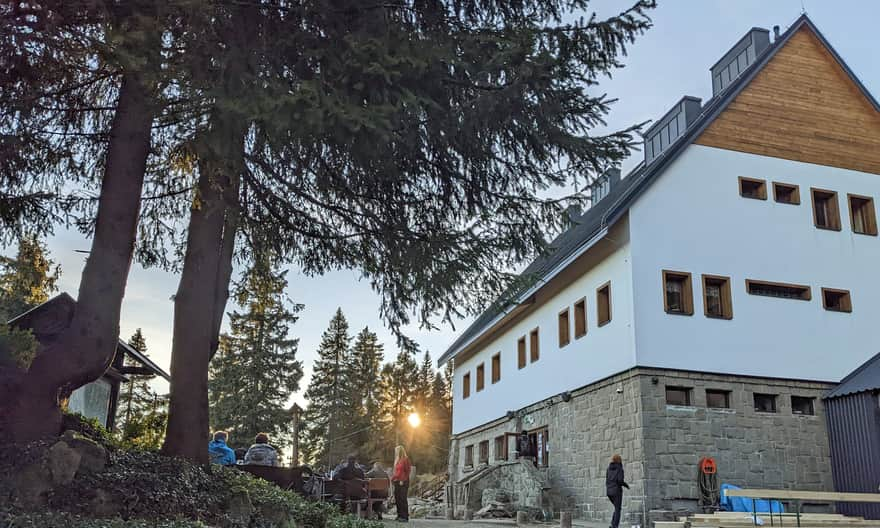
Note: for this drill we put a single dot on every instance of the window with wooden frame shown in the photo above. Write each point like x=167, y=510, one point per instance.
x=496, y=368
x=534, y=346
x=481, y=376
x=752, y=188
x=501, y=447
x=785, y=193
x=564, y=328
x=469, y=456
x=717, y=300
x=826, y=213
x=765, y=403
x=484, y=452
x=466, y=386
x=779, y=290
x=862, y=215
x=680, y=396
x=603, y=304
x=521, y=352
x=717, y=399
x=580, y=318
x=802, y=405
x=539, y=440
x=836, y=300
x=678, y=297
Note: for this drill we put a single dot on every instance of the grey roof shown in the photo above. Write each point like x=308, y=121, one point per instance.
x=617, y=203
x=865, y=378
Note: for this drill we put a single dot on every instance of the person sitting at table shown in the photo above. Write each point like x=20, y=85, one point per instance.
x=350, y=470
x=376, y=472
x=261, y=453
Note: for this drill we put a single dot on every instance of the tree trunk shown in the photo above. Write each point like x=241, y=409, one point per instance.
x=86, y=349
x=203, y=289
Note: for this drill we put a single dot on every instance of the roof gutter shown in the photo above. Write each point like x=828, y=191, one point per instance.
x=531, y=291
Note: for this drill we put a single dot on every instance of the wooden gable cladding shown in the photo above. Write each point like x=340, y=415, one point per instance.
x=801, y=106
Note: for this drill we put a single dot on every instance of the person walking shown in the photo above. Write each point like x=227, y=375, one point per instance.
x=614, y=485
x=400, y=480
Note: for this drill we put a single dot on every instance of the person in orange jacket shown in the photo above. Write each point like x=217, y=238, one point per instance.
x=400, y=480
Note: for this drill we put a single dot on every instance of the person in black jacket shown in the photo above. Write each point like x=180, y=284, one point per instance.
x=614, y=485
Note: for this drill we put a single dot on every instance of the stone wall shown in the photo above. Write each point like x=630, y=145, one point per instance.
x=661, y=444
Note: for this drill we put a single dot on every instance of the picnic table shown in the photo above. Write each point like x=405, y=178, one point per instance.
x=798, y=497
x=358, y=496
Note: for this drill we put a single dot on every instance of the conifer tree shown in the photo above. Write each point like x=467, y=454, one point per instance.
x=329, y=418
x=256, y=371
x=365, y=385
x=136, y=399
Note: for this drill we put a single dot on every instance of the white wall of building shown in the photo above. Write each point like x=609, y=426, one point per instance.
x=602, y=352
x=693, y=219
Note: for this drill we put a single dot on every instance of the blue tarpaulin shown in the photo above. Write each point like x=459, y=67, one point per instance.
x=746, y=504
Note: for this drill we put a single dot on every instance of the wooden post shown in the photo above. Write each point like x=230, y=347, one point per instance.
x=295, y=411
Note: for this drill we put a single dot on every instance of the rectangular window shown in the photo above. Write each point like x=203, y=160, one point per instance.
x=496, y=368
x=826, y=214
x=501, y=447
x=786, y=194
x=481, y=376
x=751, y=188
x=717, y=399
x=862, y=214
x=539, y=443
x=534, y=347
x=765, y=403
x=836, y=300
x=580, y=318
x=469, y=456
x=466, y=386
x=778, y=290
x=603, y=304
x=484, y=452
x=678, y=396
x=678, y=295
x=521, y=352
x=564, y=328
x=717, y=301
x=802, y=405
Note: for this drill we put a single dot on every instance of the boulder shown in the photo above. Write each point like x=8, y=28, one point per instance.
x=104, y=504
x=31, y=486
x=93, y=456
x=62, y=462
x=239, y=508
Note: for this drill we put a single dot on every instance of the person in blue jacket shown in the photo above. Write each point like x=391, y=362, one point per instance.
x=219, y=452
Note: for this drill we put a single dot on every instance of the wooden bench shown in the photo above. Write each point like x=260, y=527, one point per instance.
x=289, y=478
x=798, y=497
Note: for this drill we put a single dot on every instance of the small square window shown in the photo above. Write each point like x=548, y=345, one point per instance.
x=534, y=347
x=717, y=399
x=496, y=368
x=580, y=318
x=765, y=403
x=862, y=215
x=564, y=328
x=802, y=405
x=603, y=304
x=466, y=386
x=786, y=194
x=826, y=214
x=678, y=294
x=836, y=300
x=484, y=452
x=481, y=376
x=717, y=301
x=751, y=188
x=678, y=396
x=521, y=352
x=469, y=455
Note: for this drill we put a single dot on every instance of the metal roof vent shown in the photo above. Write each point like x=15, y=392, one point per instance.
x=740, y=57
x=670, y=127
x=601, y=186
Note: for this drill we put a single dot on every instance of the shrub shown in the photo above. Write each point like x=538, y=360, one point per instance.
x=17, y=347
x=66, y=520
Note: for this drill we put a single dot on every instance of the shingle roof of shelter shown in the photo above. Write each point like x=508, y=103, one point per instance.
x=863, y=379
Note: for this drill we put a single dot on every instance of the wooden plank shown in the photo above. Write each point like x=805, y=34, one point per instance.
x=803, y=107
x=818, y=496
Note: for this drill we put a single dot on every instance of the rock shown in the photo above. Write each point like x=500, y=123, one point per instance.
x=93, y=455
x=104, y=504
x=62, y=462
x=31, y=486
x=239, y=508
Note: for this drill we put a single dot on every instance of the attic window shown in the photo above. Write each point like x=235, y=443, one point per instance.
x=717, y=302
x=564, y=328
x=603, y=304
x=466, y=386
x=786, y=194
x=836, y=300
x=751, y=188
x=481, y=376
x=580, y=318
x=778, y=290
x=534, y=350
x=496, y=368
x=678, y=294
x=864, y=219
x=521, y=352
x=826, y=214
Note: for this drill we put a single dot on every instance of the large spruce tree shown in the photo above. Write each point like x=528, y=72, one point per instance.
x=141, y=412
x=365, y=365
x=256, y=370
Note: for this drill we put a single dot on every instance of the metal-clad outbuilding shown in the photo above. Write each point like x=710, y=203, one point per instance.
x=853, y=411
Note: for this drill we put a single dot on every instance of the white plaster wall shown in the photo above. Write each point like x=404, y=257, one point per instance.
x=603, y=351
x=693, y=219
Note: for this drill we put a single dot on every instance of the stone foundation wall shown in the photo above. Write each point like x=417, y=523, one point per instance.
x=661, y=444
